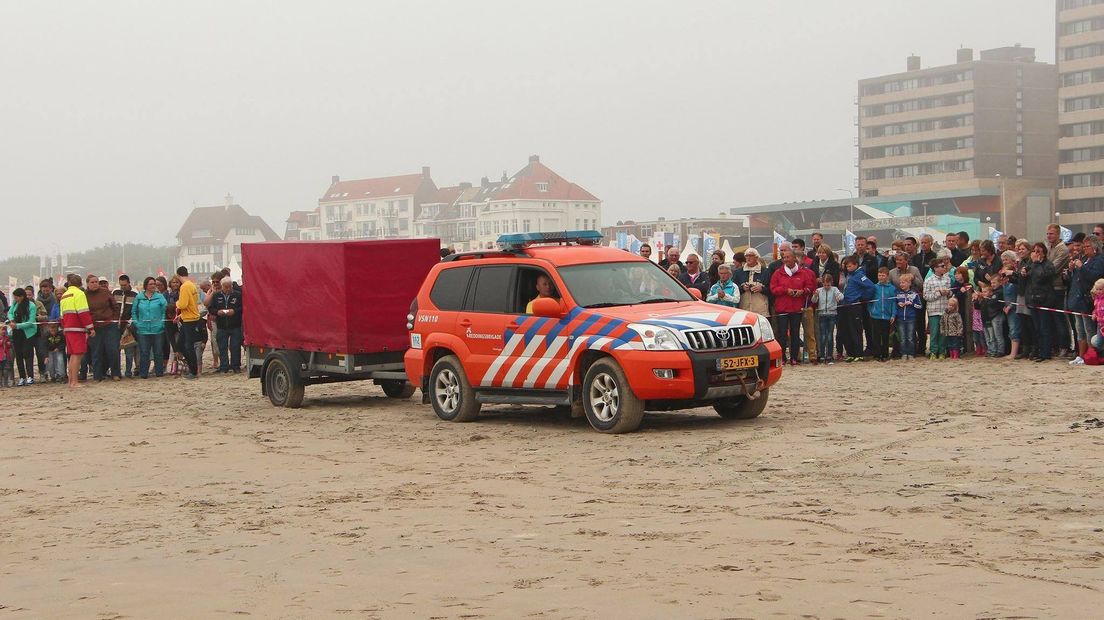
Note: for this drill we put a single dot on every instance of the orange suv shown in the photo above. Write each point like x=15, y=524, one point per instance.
x=555, y=319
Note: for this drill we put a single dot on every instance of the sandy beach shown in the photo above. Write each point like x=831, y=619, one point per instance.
x=171, y=499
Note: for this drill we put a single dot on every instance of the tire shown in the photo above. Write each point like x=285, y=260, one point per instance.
x=450, y=393
x=397, y=389
x=608, y=402
x=280, y=384
x=740, y=408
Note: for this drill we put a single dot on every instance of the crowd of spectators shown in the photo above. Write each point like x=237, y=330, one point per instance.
x=1005, y=298
x=82, y=329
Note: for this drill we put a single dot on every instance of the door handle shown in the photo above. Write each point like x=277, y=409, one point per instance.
x=465, y=323
x=513, y=325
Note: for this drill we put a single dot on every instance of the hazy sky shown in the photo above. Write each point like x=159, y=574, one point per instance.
x=118, y=116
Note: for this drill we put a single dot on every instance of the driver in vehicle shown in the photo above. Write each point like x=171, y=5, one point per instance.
x=545, y=288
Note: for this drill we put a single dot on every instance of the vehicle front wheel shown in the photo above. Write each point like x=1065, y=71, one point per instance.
x=608, y=401
x=397, y=389
x=741, y=407
x=280, y=385
x=450, y=393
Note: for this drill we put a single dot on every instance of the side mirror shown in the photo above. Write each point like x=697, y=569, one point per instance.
x=547, y=307
x=695, y=293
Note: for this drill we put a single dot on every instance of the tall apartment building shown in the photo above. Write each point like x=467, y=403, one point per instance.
x=1080, y=55
x=984, y=127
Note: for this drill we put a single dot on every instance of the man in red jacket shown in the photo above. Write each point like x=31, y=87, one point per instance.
x=792, y=285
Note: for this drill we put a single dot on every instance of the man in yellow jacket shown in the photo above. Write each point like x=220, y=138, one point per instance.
x=187, y=307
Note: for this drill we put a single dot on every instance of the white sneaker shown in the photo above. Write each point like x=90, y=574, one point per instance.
x=30, y=381
x=21, y=383
x=1077, y=361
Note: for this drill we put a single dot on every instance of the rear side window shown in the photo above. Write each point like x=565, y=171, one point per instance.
x=492, y=290
x=450, y=287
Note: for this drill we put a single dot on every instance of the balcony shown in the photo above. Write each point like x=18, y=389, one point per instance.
x=949, y=88
x=1081, y=90
x=1080, y=142
x=1075, y=193
x=918, y=158
x=918, y=115
x=920, y=136
x=1081, y=167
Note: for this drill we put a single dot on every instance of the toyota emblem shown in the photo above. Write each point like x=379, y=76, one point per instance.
x=722, y=334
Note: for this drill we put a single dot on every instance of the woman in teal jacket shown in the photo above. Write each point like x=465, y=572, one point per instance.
x=148, y=318
x=21, y=319
x=724, y=292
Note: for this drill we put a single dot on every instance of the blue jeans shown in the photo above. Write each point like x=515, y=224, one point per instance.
x=149, y=348
x=105, y=360
x=129, y=359
x=906, y=335
x=1013, y=325
x=1044, y=333
x=936, y=346
x=994, y=335
x=826, y=335
x=57, y=364
x=91, y=358
x=229, y=348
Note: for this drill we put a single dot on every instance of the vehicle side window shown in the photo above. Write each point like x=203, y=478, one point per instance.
x=492, y=290
x=527, y=287
x=451, y=286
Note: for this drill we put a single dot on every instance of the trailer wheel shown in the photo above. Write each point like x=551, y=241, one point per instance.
x=397, y=389
x=450, y=393
x=281, y=386
x=740, y=407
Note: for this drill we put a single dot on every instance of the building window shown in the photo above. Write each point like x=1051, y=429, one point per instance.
x=525, y=226
x=542, y=186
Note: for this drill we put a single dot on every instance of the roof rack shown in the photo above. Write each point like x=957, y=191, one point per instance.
x=492, y=253
x=519, y=241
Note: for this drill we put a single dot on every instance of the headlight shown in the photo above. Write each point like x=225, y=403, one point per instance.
x=657, y=338
x=766, y=332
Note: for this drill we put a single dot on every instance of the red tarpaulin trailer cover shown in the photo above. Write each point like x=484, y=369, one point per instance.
x=333, y=296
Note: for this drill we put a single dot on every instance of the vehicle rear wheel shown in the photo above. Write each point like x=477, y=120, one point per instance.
x=397, y=389
x=741, y=407
x=280, y=384
x=608, y=401
x=450, y=393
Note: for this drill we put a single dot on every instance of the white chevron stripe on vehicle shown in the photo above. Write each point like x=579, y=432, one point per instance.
x=521, y=359
x=738, y=317
x=551, y=353
x=590, y=342
x=501, y=359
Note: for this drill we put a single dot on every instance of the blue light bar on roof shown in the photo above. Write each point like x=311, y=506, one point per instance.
x=516, y=241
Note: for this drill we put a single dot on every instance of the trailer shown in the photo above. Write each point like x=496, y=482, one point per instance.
x=317, y=312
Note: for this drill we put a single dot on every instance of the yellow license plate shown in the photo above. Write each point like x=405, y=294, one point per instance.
x=736, y=363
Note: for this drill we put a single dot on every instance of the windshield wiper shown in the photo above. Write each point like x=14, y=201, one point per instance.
x=657, y=300
x=604, y=304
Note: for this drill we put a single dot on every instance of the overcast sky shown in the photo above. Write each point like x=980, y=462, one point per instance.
x=118, y=116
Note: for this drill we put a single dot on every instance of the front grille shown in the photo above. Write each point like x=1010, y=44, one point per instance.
x=720, y=338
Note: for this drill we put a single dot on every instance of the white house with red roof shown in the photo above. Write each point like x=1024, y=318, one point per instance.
x=463, y=216
x=535, y=199
x=211, y=237
x=379, y=208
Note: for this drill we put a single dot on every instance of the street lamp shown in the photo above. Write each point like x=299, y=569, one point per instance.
x=851, y=198
x=1058, y=218
x=1003, y=210
x=925, y=226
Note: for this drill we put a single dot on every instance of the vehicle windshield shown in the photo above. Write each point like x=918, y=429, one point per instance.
x=621, y=284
